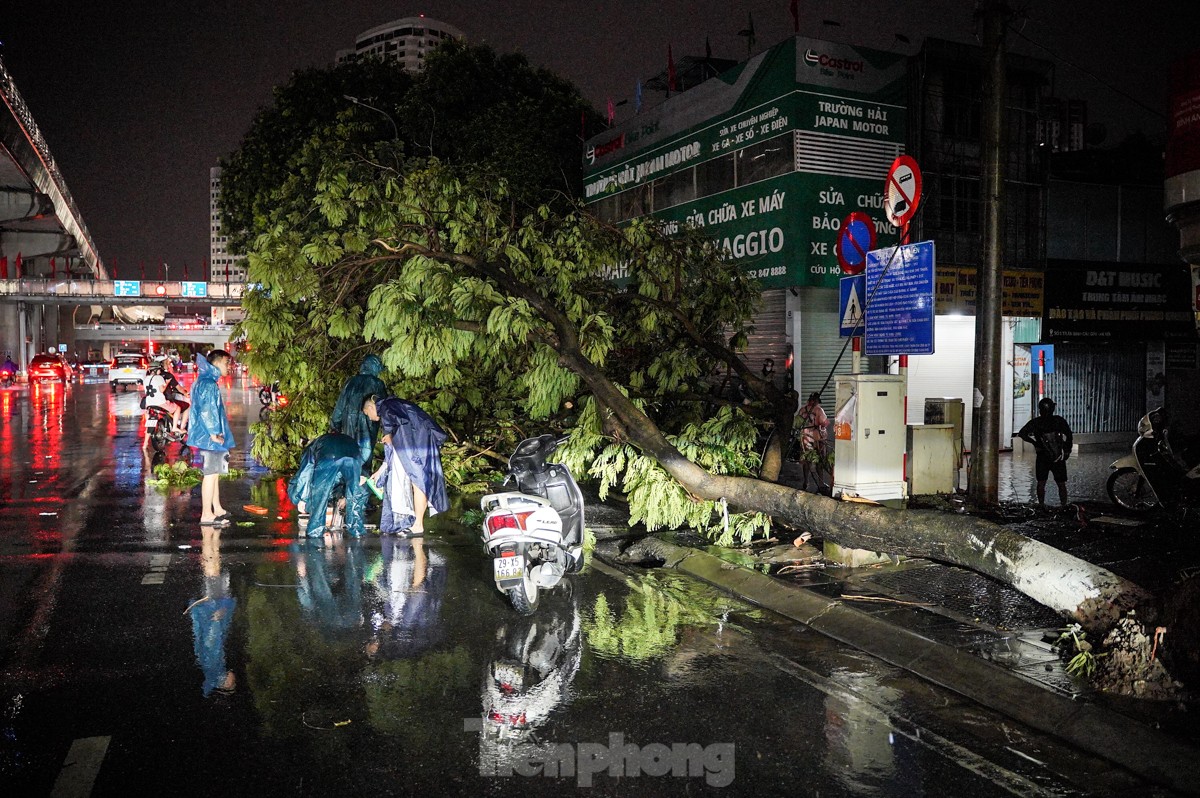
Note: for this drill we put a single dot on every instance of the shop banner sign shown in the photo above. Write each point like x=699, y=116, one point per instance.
x=1102, y=300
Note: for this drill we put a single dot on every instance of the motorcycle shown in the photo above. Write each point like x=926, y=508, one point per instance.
x=272, y=399
x=7, y=376
x=1153, y=474
x=160, y=428
x=533, y=534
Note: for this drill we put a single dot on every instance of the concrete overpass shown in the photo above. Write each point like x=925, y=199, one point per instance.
x=111, y=337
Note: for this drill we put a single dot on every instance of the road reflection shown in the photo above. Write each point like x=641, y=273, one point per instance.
x=212, y=616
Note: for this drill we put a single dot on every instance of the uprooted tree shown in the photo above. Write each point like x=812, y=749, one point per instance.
x=466, y=289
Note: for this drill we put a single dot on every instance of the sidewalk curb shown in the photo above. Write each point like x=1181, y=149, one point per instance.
x=1093, y=729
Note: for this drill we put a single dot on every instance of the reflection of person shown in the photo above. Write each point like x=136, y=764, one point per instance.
x=410, y=588
x=1052, y=441
x=411, y=474
x=814, y=426
x=212, y=617
x=331, y=595
x=348, y=417
x=210, y=433
x=330, y=466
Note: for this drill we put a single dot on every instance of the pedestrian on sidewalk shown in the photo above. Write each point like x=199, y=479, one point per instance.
x=411, y=474
x=1052, y=441
x=813, y=424
x=209, y=433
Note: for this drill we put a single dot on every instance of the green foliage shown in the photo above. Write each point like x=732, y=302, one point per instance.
x=647, y=628
x=175, y=475
x=463, y=287
x=1083, y=662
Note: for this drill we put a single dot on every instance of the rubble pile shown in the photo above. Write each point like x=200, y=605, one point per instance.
x=1131, y=666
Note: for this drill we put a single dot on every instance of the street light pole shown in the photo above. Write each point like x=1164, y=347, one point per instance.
x=356, y=101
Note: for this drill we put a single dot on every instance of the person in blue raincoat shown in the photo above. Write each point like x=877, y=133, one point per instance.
x=209, y=433
x=348, y=417
x=411, y=474
x=330, y=467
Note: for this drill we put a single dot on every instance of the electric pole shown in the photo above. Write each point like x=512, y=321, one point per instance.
x=983, y=487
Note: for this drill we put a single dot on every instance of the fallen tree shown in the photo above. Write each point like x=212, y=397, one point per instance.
x=463, y=282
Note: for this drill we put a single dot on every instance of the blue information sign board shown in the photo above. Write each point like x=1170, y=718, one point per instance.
x=195, y=289
x=900, y=288
x=1036, y=352
x=127, y=288
x=850, y=307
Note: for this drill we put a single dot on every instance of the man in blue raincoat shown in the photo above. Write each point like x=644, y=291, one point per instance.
x=210, y=435
x=330, y=466
x=348, y=417
x=411, y=474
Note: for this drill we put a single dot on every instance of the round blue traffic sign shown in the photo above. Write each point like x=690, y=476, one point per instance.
x=856, y=238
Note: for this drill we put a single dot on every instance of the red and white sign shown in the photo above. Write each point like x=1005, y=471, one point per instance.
x=1183, y=136
x=902, y=193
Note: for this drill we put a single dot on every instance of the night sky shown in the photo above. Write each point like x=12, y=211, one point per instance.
x=138, y=99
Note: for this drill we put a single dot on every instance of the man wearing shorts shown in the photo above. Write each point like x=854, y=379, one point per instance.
x=210, y=435
x=1052, y=440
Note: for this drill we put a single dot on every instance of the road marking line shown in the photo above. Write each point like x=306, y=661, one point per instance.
x=79, y=770
x=159, y=563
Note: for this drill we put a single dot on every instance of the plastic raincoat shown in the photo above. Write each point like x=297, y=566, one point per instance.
x=348, y=417
x=415, y=451
x=208, y=410
x=329, y=467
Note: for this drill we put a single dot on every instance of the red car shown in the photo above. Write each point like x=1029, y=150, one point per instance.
x=48, y=368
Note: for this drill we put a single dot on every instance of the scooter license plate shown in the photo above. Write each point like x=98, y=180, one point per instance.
x=151, y=423
x=507, y=568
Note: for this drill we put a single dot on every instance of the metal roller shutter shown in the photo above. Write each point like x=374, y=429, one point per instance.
x=1099, y=387
x=769, y=339
x=819, y=345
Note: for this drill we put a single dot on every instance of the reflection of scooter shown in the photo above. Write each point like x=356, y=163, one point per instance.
x=534, y=665
x=534, y=534
x=1153, y=474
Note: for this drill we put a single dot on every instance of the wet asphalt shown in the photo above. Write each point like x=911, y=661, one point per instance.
x=139, y=654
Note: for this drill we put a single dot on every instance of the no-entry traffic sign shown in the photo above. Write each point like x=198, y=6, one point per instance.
x=856, y=237
x=902, y=194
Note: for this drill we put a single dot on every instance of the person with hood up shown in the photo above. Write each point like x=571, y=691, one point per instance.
x=210, y=435
x=411, y=474
x=348, y=417
x=328, y=466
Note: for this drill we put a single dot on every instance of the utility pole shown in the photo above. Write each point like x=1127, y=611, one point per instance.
x=983, y=487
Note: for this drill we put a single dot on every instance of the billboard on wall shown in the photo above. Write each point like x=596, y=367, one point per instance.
x=1098, y=300
x=1183, y=137
x=828, y=118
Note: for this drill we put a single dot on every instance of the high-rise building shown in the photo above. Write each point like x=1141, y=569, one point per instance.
x=405, y=40
x=223, y=267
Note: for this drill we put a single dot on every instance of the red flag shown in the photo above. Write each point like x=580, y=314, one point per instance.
x=18, y=266
x=670, y=70
x=795, y=7
x=612, y=114
x=4, y=267
x=143, y=265
x=185, y=271
x=52, y=268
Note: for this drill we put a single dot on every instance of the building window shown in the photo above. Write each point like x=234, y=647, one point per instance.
x=959, y=207
x=674, y=189
x=715, y=176
x=766, y=159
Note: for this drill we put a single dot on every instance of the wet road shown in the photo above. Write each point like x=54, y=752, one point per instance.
x=138, y=654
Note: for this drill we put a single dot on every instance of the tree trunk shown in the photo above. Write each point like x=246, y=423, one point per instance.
x=1088, y=594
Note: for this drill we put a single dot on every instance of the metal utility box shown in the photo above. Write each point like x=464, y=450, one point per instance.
x=948, y=410
x=931, y=464
x=869, y=437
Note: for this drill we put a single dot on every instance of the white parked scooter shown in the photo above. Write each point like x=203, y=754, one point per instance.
x=534, y=534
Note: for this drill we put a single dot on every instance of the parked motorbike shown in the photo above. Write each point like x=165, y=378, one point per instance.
x=1153, y=474
x=534, y=534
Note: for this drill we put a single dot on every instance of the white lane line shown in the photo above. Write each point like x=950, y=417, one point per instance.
x=158, y=569
x=80, y=768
